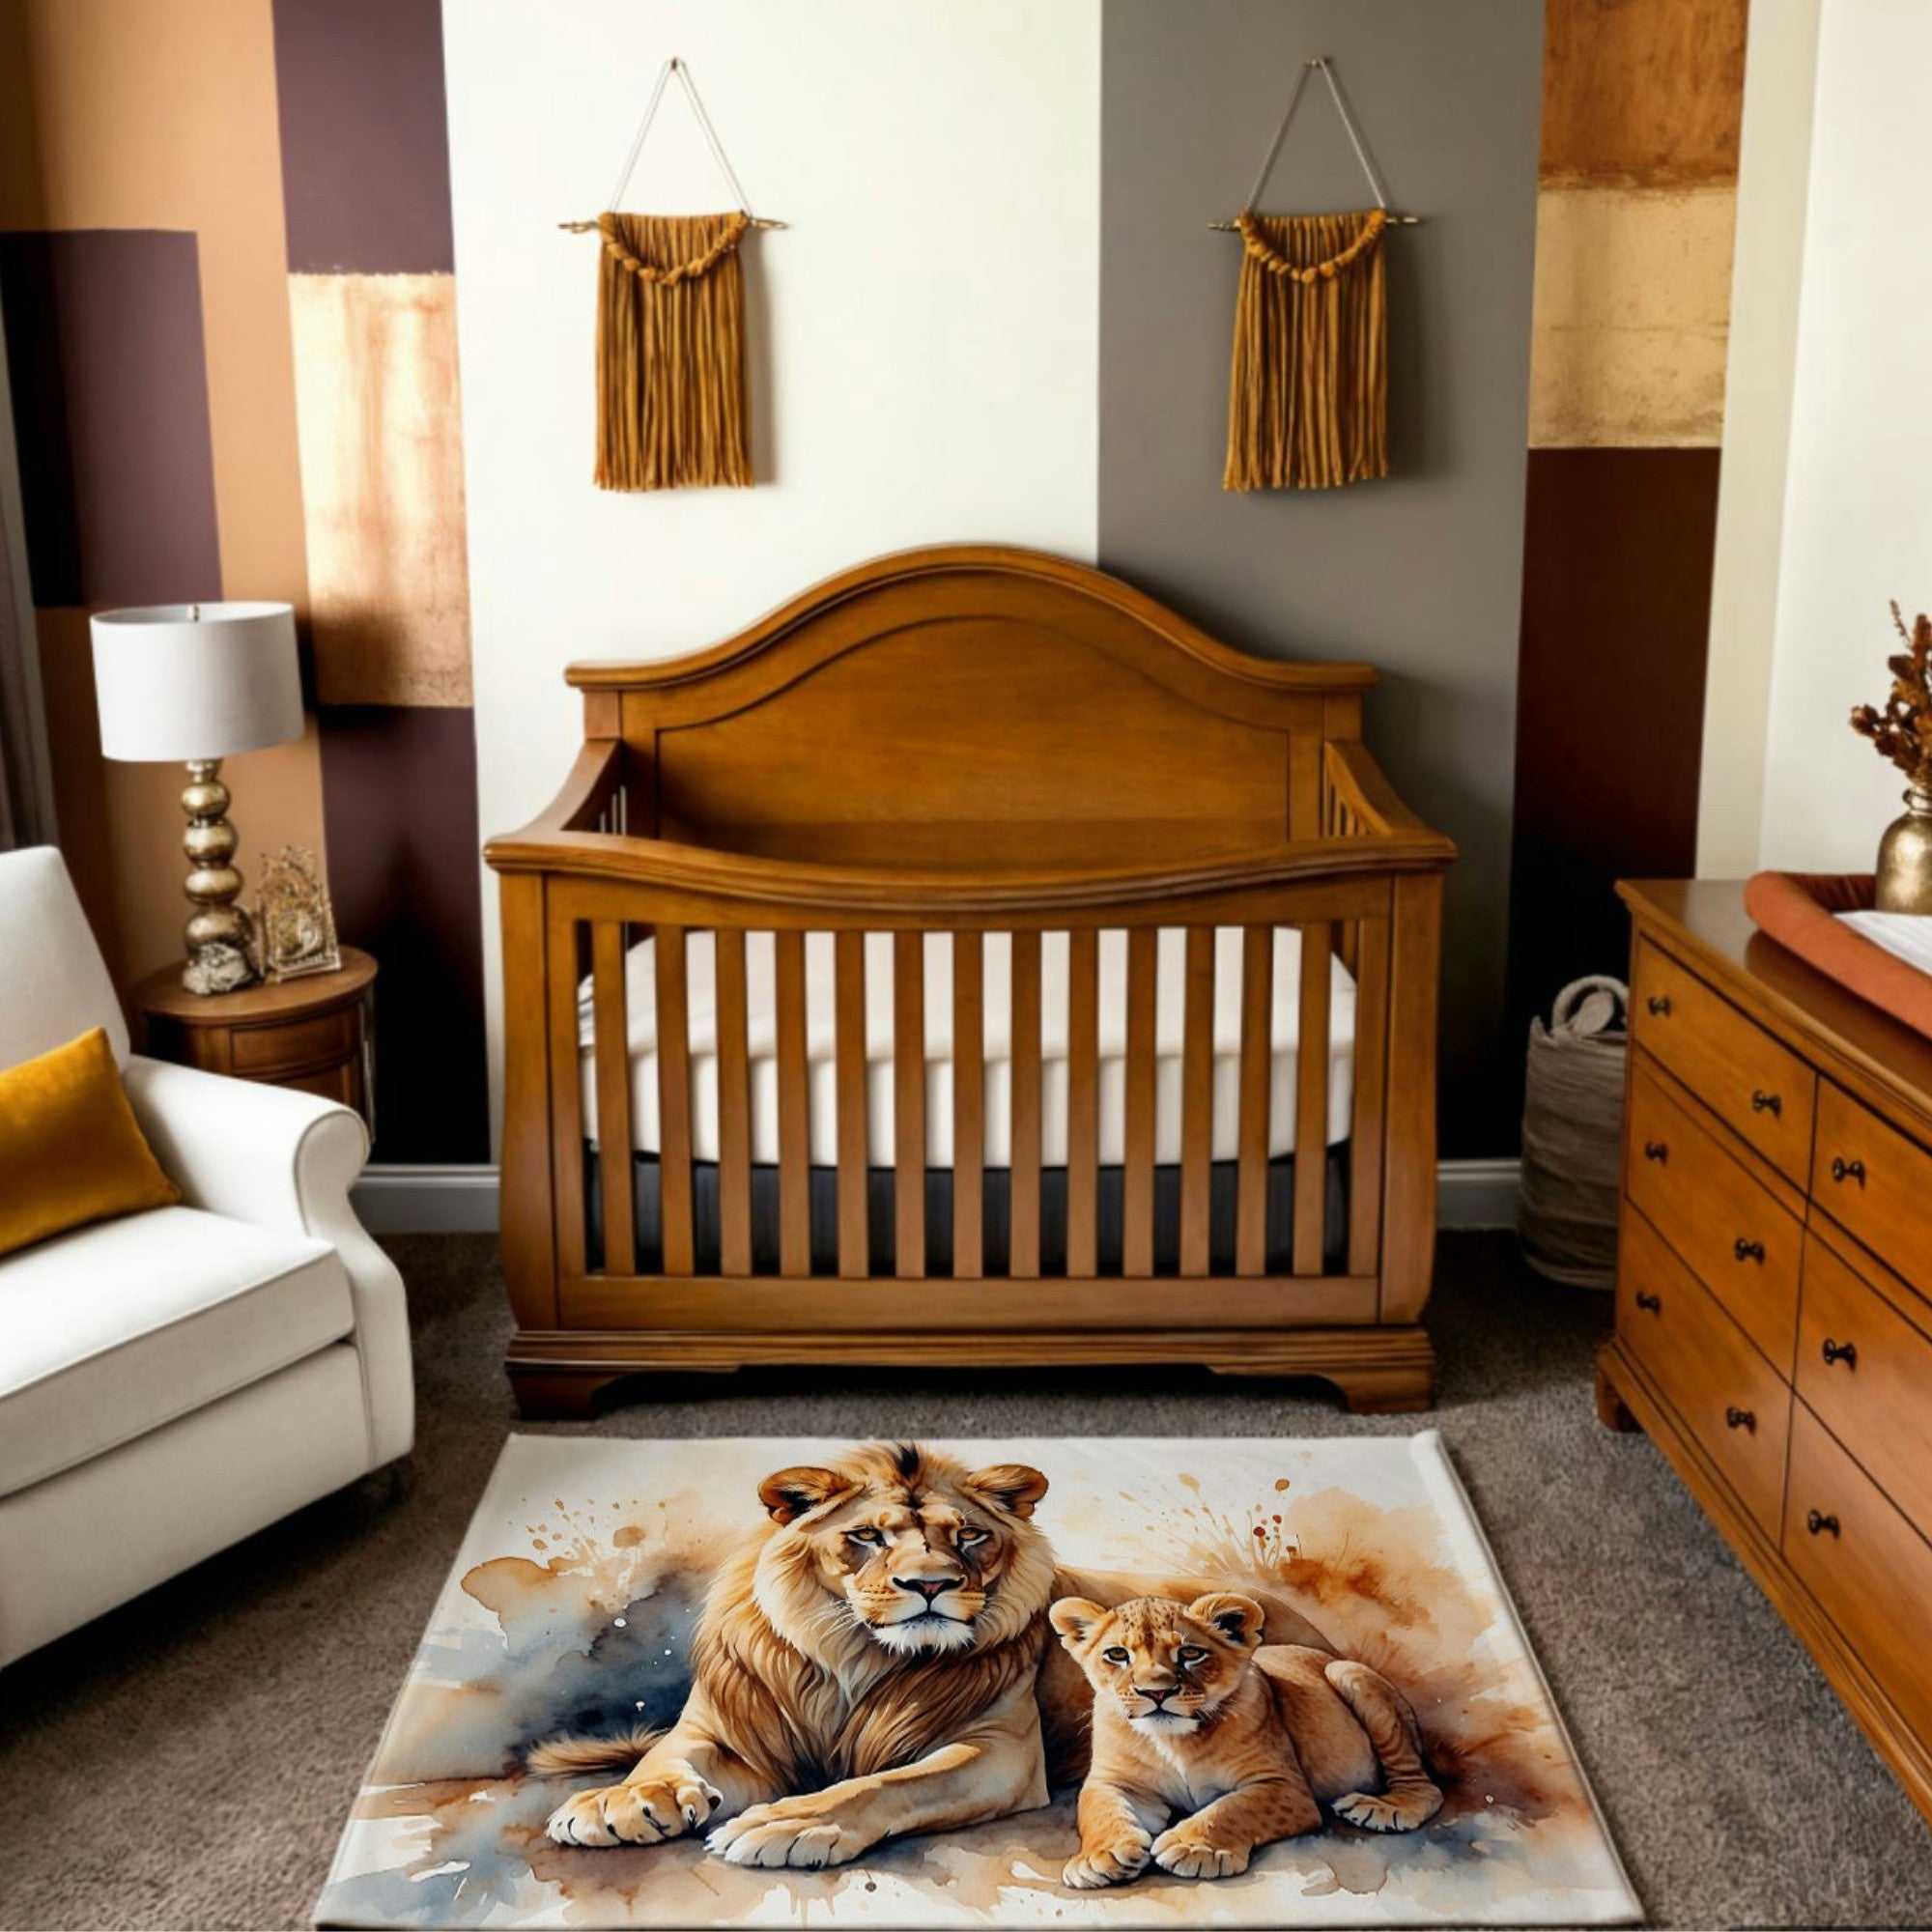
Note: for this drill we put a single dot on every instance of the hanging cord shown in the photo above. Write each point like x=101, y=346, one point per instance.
x=1355, y=141
x=675, y=66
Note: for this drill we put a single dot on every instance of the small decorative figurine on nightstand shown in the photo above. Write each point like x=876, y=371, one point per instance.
x=294, y=923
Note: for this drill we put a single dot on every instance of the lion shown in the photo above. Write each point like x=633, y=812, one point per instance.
x=874, y=1661
x=1208, y=1746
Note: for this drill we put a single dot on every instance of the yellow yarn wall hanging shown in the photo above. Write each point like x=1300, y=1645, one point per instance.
x=1308, y=388
x=671, y=410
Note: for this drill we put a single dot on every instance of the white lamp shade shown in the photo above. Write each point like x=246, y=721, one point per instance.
x=175, y=682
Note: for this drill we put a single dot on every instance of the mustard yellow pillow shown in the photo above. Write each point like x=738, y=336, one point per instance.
x=70, y=1149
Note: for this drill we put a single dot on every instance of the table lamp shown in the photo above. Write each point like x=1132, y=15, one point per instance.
x=198, y=683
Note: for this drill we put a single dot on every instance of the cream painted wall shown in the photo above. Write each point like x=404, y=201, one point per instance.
x=1761, y=364
x=925, y=365
x=1858, y=518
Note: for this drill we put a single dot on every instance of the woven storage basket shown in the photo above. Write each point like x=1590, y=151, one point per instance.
x=1573, y=1113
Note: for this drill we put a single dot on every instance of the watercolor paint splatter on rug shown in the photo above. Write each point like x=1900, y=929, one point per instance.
x=1054, y=1681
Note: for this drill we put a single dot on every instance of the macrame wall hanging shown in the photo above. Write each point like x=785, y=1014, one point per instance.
x=1307, y=392
x=671, y=332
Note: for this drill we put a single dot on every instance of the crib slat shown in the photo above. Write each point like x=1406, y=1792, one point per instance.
x=1257, y=1084
x=674, y=1099
x=613, y=1096
x=1197, y=1100
x=1311, y=1098
x=909, y=1102
x=794, y=1110
x=734, y=1109
x=1365, y=1127
x=566, y=969
x=969, y=1105
x=850, y=980
x=1137, y=1179
x=1083, y=1098
x=1023, y=1244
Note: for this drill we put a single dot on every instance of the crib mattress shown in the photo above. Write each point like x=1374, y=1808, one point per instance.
x=641, y=999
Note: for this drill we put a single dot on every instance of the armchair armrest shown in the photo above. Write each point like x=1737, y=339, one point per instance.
x=286, y=1160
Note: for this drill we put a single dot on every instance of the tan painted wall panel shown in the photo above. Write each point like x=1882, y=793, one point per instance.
x=1633, y=307
x=1642, y=93
x=379, y=409
x=164, y=116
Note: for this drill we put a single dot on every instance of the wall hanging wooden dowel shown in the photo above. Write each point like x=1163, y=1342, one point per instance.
x=1308, y=388
x=670, y=331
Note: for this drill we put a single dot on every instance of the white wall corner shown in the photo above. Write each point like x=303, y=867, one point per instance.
x=1772, y=200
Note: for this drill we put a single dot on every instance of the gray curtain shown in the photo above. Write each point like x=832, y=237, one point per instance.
x=24, y=819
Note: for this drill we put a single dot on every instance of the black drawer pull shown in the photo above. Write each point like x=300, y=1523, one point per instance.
x=1741, y=1418
x=1645, y=1299
x=1655, y=1151
x=1748, y=1251
x=1848, y=1170
x=1840, y=1351
x=1767, y=1103
x=1817, y=1522
x=1659, y=1005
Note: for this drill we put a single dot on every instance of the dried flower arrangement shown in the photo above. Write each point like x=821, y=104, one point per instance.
x=1903, y=730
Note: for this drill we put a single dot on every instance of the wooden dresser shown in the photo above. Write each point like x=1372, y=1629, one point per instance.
x=1773, y=1332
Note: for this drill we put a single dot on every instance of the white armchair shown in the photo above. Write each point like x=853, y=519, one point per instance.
x=174, y=1381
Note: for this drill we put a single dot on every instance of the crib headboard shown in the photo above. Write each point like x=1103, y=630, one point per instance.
x=973, y=705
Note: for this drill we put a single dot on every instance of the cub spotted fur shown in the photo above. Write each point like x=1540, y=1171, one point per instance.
x=1194, y=1722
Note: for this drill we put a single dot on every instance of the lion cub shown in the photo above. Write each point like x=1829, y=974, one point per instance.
x=1194, y=1721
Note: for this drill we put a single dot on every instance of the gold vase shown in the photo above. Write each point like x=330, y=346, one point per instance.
x=1904, y=882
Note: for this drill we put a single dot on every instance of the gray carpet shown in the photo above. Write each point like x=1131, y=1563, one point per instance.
x=187, y=1760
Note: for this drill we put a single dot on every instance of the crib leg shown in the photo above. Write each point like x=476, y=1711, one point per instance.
x=1385, y=1391
x=558, y=1395
x=1378, y=1371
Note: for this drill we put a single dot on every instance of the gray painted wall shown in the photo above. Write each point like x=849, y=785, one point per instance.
x=1420, y=574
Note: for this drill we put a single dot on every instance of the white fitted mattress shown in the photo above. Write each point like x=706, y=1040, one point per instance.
x=640, y=996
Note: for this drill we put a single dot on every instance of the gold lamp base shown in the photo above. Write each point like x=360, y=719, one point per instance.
x=219, y=934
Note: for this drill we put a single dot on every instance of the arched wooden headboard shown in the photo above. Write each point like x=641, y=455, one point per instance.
x=980, y=700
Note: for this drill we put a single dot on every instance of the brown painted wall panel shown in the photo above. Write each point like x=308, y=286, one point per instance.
x=399, y=794
x=365, y=135
x=109, y=383
x=1618, y=546
x=1642, y=93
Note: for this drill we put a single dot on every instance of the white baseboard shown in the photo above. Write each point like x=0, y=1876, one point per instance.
x=395, y=1198
x=1477, y=1193
x=398, y=1199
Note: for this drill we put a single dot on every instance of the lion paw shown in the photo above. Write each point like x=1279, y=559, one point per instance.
x=1189, y=1854
x=794, y=1831
x=1401, y=1808
x=1106, y=1864
x=644, y=1813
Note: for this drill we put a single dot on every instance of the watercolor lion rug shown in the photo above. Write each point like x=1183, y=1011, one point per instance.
x=1079, y=1682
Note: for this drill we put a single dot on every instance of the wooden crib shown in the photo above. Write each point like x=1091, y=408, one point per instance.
x=995, y=746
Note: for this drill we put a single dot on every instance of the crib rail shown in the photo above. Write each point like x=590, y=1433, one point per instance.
x=595, y=893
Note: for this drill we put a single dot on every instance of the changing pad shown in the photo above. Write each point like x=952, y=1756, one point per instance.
x=641, y=997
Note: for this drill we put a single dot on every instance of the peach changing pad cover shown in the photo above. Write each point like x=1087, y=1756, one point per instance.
x=1800, y=911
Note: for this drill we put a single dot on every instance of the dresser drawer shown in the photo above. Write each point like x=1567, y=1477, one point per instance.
x=1874, y=1181
x=1728, y=1396
x=1864, y=1366
x=1868, y=1569
x=1741, y=1243
x=1731, y=1064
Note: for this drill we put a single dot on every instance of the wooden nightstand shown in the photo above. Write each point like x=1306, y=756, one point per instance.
x=316, y=1033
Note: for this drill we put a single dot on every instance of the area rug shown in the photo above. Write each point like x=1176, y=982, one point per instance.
x=875, y=1718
